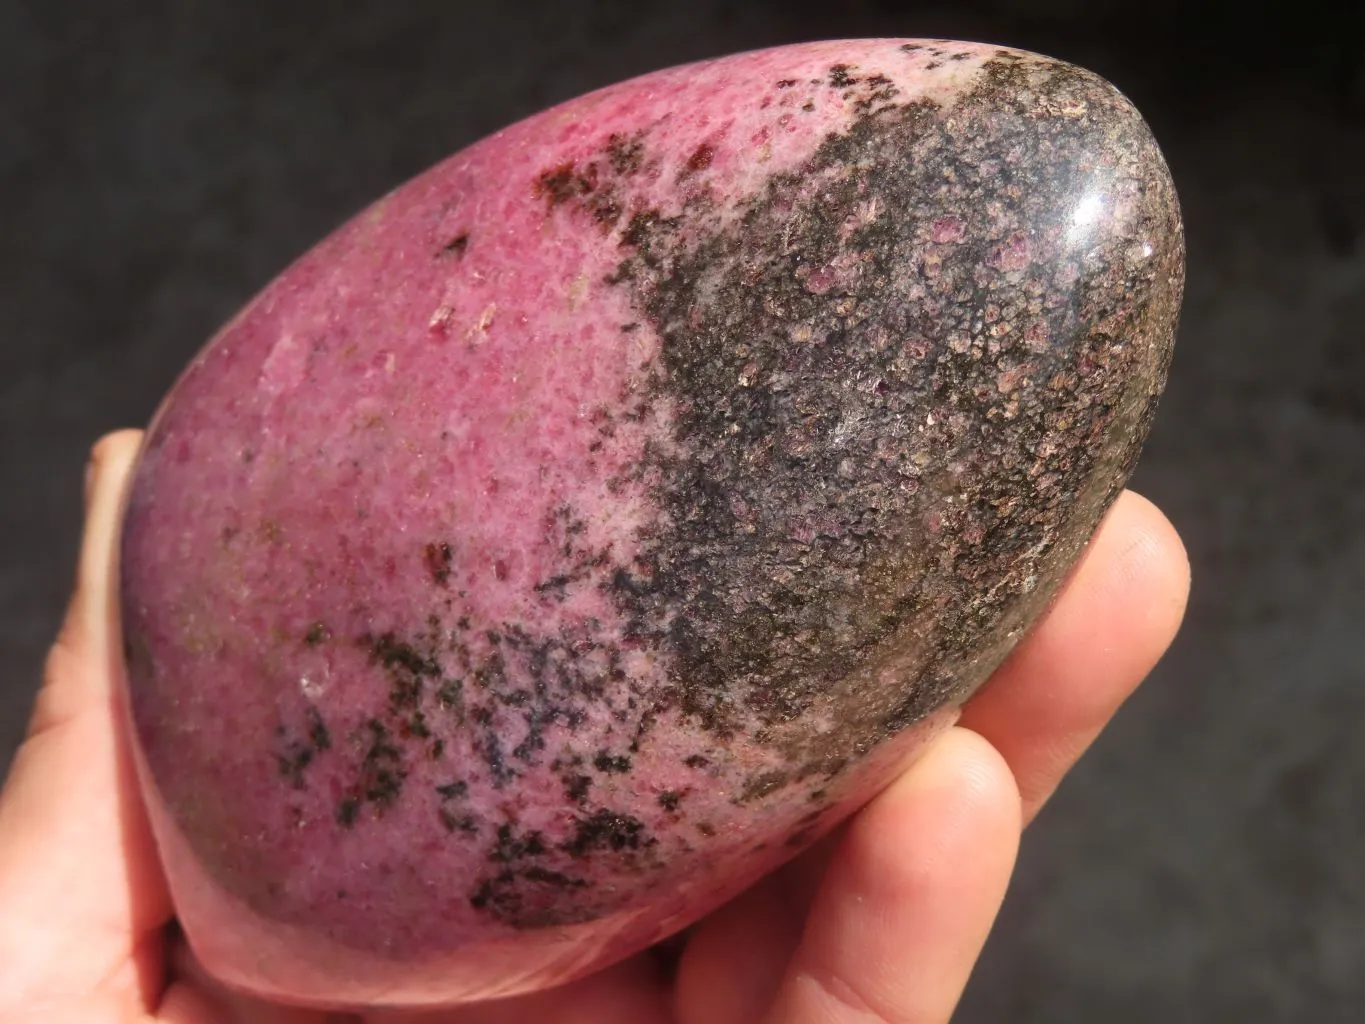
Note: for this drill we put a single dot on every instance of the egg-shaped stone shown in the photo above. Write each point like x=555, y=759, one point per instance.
x=588, y=526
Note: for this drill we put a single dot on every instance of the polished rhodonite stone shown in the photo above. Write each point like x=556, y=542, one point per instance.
x=586, y=527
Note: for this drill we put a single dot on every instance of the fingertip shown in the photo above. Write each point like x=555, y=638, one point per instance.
x=110, y=457
x=911, y=893
x=106, y=476
x=117, y=443
x=986, y=776
x=80, y=663
x=1152, y=555
x=963, y=786
x=1124, y=602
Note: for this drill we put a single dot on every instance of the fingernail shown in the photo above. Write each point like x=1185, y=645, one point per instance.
x=92, y=471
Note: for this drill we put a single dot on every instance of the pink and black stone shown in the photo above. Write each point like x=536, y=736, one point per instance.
x=590, y=525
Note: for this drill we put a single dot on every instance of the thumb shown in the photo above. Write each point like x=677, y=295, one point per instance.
x=81, y=895
x=81, y=667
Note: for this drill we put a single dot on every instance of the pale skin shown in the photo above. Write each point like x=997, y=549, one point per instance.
x=881, y=923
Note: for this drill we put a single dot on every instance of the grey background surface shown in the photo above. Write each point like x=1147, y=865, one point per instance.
x=160, y=162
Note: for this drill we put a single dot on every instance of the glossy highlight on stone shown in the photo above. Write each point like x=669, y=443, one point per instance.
x=585, y=528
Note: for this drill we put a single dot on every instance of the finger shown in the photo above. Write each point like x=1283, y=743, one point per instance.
x=736, y=958
x=910, y=894
x=79, y=676
x=1117, y=615
x=81, y=892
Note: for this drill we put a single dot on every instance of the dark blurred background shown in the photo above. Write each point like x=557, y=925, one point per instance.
x=159, y=162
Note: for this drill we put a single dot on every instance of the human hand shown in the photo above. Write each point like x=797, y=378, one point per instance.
x=882, y=922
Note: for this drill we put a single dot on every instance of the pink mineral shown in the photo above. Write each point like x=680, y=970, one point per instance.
x=580, y=532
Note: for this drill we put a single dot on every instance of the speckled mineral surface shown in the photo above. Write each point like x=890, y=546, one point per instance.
x=583, y=529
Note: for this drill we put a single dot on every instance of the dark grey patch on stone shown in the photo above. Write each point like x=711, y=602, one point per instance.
x=908, y=384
